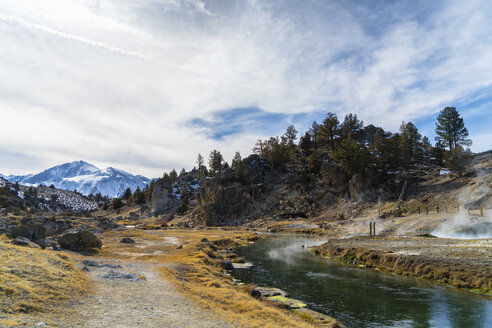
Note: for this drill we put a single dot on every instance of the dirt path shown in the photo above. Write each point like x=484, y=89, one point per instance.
x=126, y=300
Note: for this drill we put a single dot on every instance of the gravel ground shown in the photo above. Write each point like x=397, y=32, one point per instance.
x=149, y=302
x=134, y=295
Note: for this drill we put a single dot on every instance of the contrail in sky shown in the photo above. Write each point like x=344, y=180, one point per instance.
x=64, y=35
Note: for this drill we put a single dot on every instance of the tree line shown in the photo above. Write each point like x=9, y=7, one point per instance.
x=358, y=148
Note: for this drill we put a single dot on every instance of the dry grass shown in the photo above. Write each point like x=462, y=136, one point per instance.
x=200, y=277
x=35, y=280
x=456, y=272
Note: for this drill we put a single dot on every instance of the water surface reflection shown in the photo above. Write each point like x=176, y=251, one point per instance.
x=358, y=297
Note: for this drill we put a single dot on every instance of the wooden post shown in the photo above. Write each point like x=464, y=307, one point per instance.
x=419, y=209
x=458, y=208
x=437, y=209
x=374, y=228
x=481, y=210
x=427, y=209
x=446, y=208
x=370, y=228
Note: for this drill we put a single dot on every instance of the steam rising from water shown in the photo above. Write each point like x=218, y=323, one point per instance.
x=464, y=226
x=292, y=251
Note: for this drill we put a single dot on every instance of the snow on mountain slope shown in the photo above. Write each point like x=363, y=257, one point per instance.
x=110, y=182
x=85, y=178
x=55, y=174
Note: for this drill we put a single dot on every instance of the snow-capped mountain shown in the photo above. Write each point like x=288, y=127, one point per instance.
x=85, y=178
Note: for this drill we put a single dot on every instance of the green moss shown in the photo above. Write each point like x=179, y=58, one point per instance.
x=481, y=291
x=291, y=303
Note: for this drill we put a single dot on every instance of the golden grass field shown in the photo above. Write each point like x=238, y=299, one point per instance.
x=36, y=280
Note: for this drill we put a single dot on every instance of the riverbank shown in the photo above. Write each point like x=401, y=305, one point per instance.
x=192, y=261
x=457, y=262
x=159, y=278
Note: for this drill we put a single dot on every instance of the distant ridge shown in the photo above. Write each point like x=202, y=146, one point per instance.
x=84, y=178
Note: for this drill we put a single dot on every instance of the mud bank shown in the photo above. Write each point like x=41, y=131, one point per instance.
x=461, y=263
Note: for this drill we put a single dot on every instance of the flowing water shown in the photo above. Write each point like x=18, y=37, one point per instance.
x=359, y=297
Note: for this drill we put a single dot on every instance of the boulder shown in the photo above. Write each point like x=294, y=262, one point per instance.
x=106, y=224
x=44, y=243
x=22, y=241
x=267, y=292
x=75, y=239
x=127, y=240
x=33, y=232
x=227, y=265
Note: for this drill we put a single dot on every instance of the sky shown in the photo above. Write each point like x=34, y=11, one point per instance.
x=146, y=85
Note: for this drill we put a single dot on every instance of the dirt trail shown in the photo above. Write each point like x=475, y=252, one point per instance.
x=149, y=302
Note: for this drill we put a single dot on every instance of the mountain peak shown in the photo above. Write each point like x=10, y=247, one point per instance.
x=85, y=178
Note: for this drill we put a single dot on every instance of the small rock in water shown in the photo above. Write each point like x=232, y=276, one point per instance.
x=204, y=240
x=267, y=292
x=179, y=247
x=86, y=269
x=127, y=240
x=41, y=324
x=245, y=265
x=227, y=265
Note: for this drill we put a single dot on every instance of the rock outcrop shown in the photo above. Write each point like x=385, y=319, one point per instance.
x=76, y=239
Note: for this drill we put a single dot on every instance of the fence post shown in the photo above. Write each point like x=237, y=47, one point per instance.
x=481, y=210
x=437, y=209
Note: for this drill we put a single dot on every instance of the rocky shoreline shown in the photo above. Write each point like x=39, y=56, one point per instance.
x=220, y=250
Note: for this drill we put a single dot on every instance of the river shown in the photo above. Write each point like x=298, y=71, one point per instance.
x=359, y=297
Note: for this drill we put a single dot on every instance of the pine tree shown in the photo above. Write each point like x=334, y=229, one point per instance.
x=329, y=131
x=215, y=161
x=236, y=160
x=199, y=162
x=127, y=194
x=314, y=132
x=450, y=129
x=351, y=156
x=458, y=159
x=306, y=144
x=409, y=141
x=279, y=155
x=173, y=175
x=438, y=153
x=351, y=127
x=289, y=136
x=239, y=168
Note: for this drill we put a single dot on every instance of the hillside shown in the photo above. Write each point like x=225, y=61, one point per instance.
x=330, y=195
x=15, y=198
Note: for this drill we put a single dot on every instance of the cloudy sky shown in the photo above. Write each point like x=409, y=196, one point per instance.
x=145, y=85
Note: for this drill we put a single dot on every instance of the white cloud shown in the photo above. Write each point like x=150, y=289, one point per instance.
x=113, y=82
